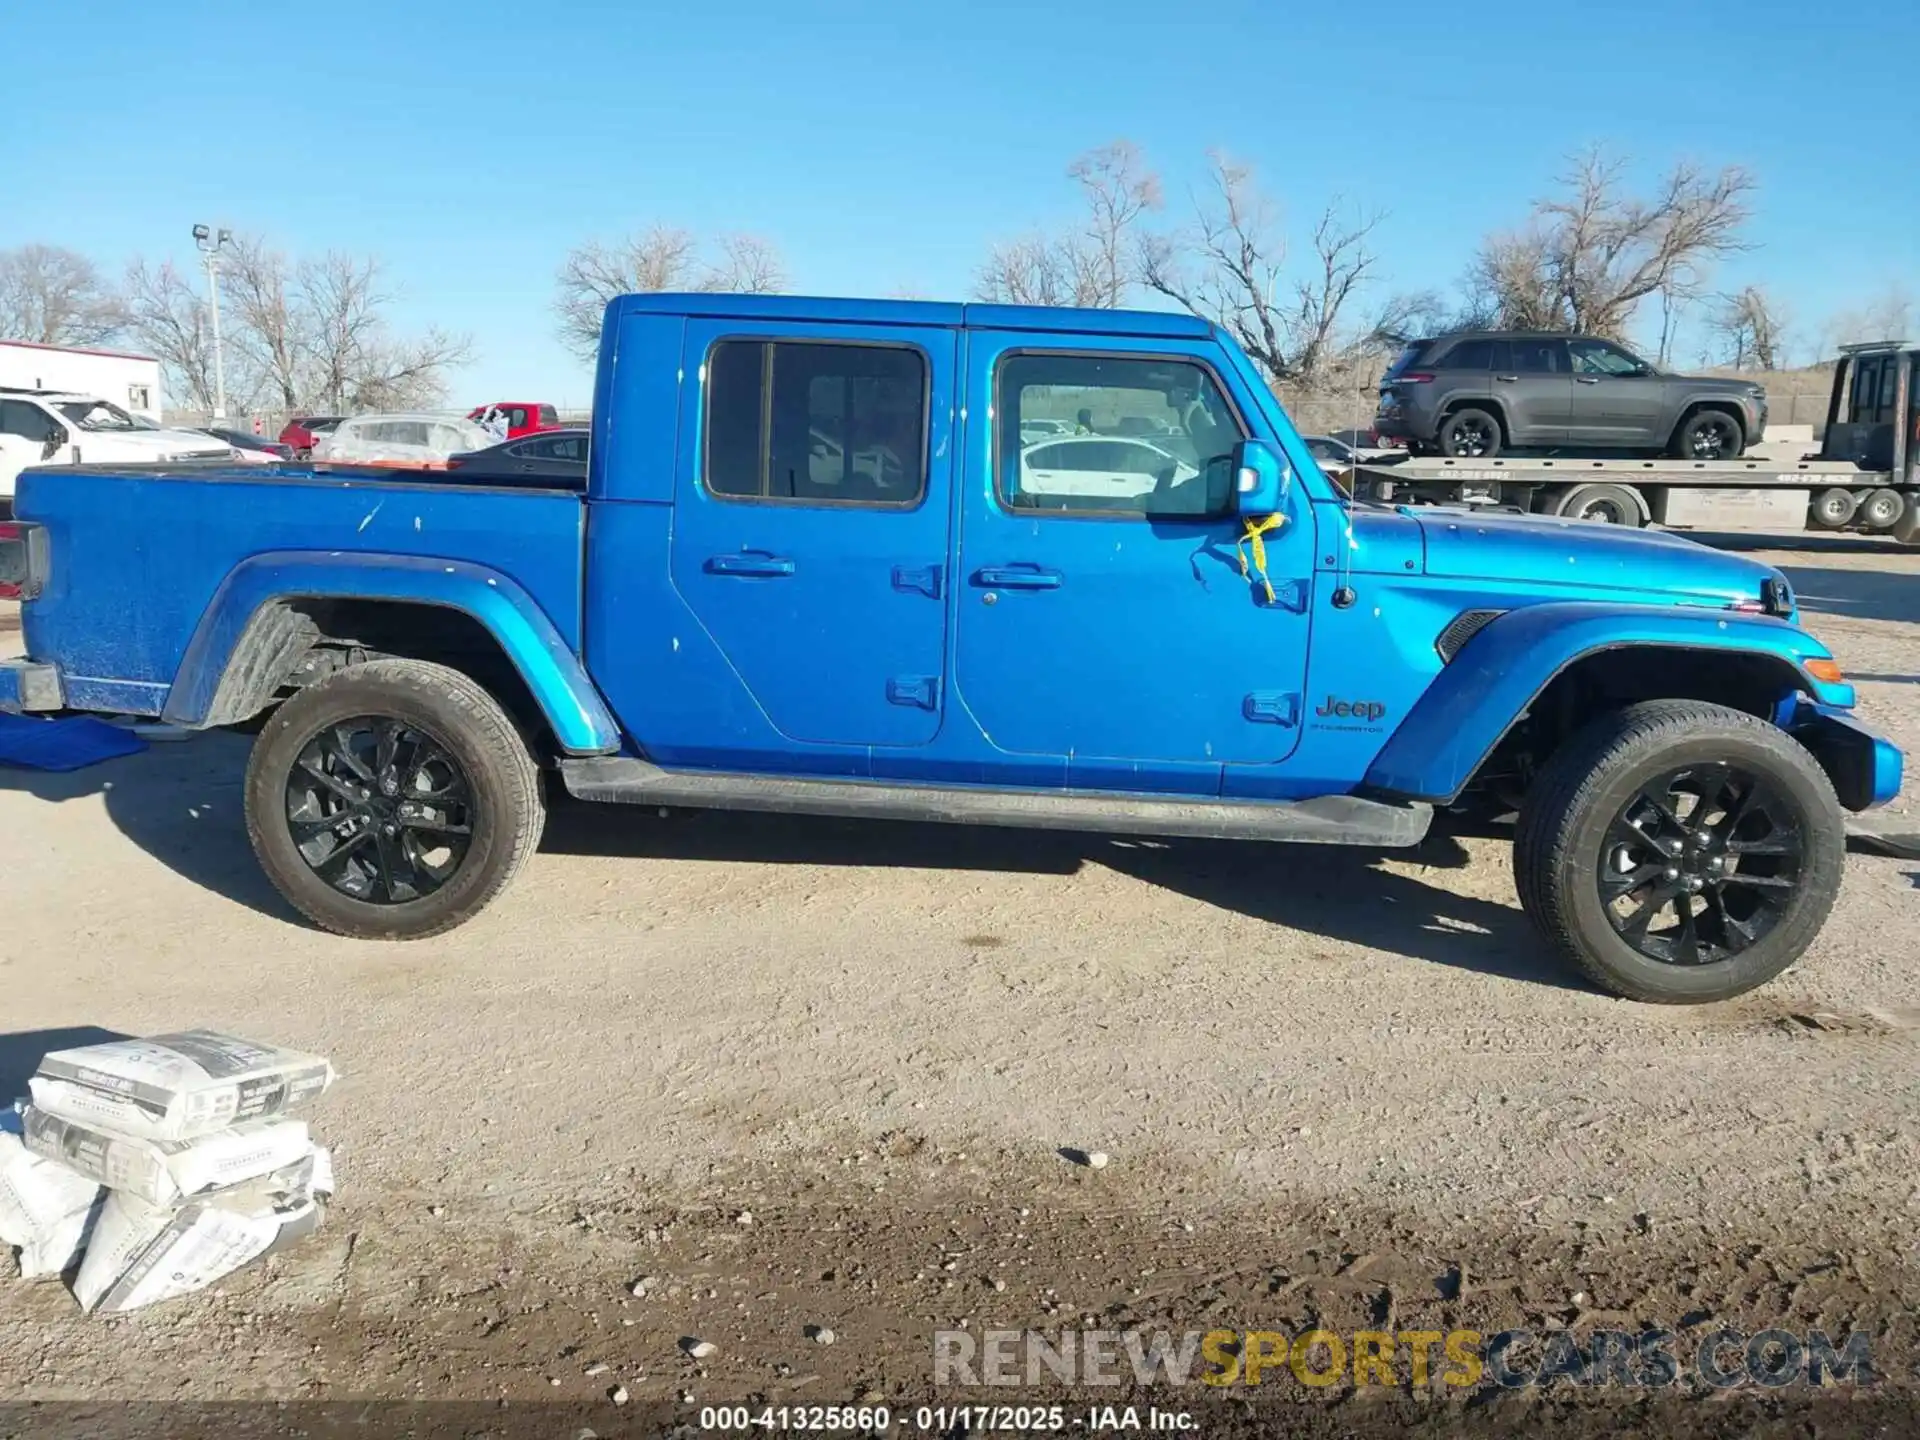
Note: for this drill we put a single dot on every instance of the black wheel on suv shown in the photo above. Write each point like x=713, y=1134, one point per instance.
x=392, y=800
x=1470, y=434
x=1709, y=435
x=1680, y=852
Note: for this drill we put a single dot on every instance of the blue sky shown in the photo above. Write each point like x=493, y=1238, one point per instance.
x=883, y=144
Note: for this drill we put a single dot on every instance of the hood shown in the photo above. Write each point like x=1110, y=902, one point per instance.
x=1584, y=556
x=159, y=444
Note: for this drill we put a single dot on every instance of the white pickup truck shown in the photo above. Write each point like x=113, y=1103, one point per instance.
x=53, y=427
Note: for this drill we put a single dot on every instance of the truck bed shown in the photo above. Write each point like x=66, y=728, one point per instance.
x=123, y=599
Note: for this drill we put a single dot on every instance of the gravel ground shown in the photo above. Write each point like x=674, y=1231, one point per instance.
x=817, y=1074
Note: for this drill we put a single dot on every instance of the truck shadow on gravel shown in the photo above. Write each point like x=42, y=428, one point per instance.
x=1342, y=893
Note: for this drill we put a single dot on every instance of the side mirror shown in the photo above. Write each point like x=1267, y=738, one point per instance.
x=1261, y=478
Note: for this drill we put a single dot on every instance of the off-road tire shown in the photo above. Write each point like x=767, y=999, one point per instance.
x=1683, y=436
x=509, y=807
x=1584, y=784
x=1448, y=436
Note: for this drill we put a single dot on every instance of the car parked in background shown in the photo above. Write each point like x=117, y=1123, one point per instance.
x=1098, y=472
x=1476, y=393
x=303, y=432
x=523, y=417
x=1333, y=455
x=416, y=440
x=53, y=427
x=550, y=457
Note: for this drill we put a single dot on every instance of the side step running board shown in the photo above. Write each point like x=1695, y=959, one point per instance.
x=1329, y=819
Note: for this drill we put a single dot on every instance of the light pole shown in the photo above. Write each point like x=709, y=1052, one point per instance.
x=211, y=243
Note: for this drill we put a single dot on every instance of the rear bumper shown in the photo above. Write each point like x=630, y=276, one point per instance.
x=1865, y=768
x=29, y=685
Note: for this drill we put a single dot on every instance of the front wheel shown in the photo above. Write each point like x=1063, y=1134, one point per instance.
x=392, y=800
x=1680, y=852
x=1710, y=435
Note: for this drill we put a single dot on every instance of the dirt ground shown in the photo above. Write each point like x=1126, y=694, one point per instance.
x=805, y=1074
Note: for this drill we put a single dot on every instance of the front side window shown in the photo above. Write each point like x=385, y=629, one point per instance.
x=1142, y=437
x=1866, y=392
x=795, y=420
x=29, y=422
x=1597, y=357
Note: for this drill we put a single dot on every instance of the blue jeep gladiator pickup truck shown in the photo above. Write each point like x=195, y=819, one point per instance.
x=974, y=563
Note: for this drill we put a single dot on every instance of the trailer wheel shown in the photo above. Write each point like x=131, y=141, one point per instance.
x=1470, y=434
x=1880, y=509
x=1680, y=852
x=1608, y=504
x=1832, y=509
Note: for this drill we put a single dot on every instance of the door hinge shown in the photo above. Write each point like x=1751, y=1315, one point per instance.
x=1290, y=595
x=922, y=578
x=919, y=691
x=1272, y=707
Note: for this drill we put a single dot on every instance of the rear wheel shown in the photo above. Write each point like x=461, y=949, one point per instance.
x=1832, y=508
x=1607, y=504
x=1709, y=435
x=1470, y=434
x=1881, y=508
x=393, y=800
x=1680, y=852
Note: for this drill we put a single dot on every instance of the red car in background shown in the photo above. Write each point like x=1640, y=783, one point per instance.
x=524, y=417
x=303, y=432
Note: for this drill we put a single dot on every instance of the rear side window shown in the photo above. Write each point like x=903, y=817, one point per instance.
x=555, y=447
x=1468, y=355
x=1407, y=358
x=549, y=415
x=820, y=424
x=1539, y=357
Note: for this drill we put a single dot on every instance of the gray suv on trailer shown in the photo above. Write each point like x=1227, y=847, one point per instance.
x=1478, y=392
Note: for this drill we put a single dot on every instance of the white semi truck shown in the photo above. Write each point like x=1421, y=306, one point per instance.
x=1864, y=477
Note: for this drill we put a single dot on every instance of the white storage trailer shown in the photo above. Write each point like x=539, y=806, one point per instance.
x=130, y=381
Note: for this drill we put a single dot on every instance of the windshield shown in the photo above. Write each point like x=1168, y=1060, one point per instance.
x=97, y=415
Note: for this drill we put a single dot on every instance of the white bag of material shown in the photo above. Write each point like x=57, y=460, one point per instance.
x=141, y=1253
x=174, y=1087
x=45, y=1209
x=165, y=1172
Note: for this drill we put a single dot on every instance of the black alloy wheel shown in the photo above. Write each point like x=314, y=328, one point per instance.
x=380, y=809
x=1700, y=864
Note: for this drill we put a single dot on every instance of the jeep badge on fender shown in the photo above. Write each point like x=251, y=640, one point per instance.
x=1367, y=710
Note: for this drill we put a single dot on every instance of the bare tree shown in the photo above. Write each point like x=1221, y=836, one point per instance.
x=1097, y=265
x=1230, y=268
x=53, y=296
x=1589, y=255
x=305, y=334
x=1888, y=315
x=663, y=258
x=167, y=317
x=1749, y=327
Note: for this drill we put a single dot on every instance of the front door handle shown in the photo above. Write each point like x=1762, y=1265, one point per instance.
x=1018, y=577
x=1508, y=378
x=1586, y=379
x=749, y=563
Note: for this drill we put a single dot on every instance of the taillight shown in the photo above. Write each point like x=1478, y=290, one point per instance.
x=23, y=560
x=1417, y=377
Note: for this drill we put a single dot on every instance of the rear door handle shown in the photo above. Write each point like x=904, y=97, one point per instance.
x=1586, y=379
x=1508, y=378
x=1018, y=577
x=749, y=563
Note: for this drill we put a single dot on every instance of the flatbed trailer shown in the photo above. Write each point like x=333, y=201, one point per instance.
x=1866, y=476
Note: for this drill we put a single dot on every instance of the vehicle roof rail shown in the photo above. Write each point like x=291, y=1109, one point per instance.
x=1864, y=347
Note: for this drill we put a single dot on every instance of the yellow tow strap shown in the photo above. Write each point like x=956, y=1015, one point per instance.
x=1251, y=541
